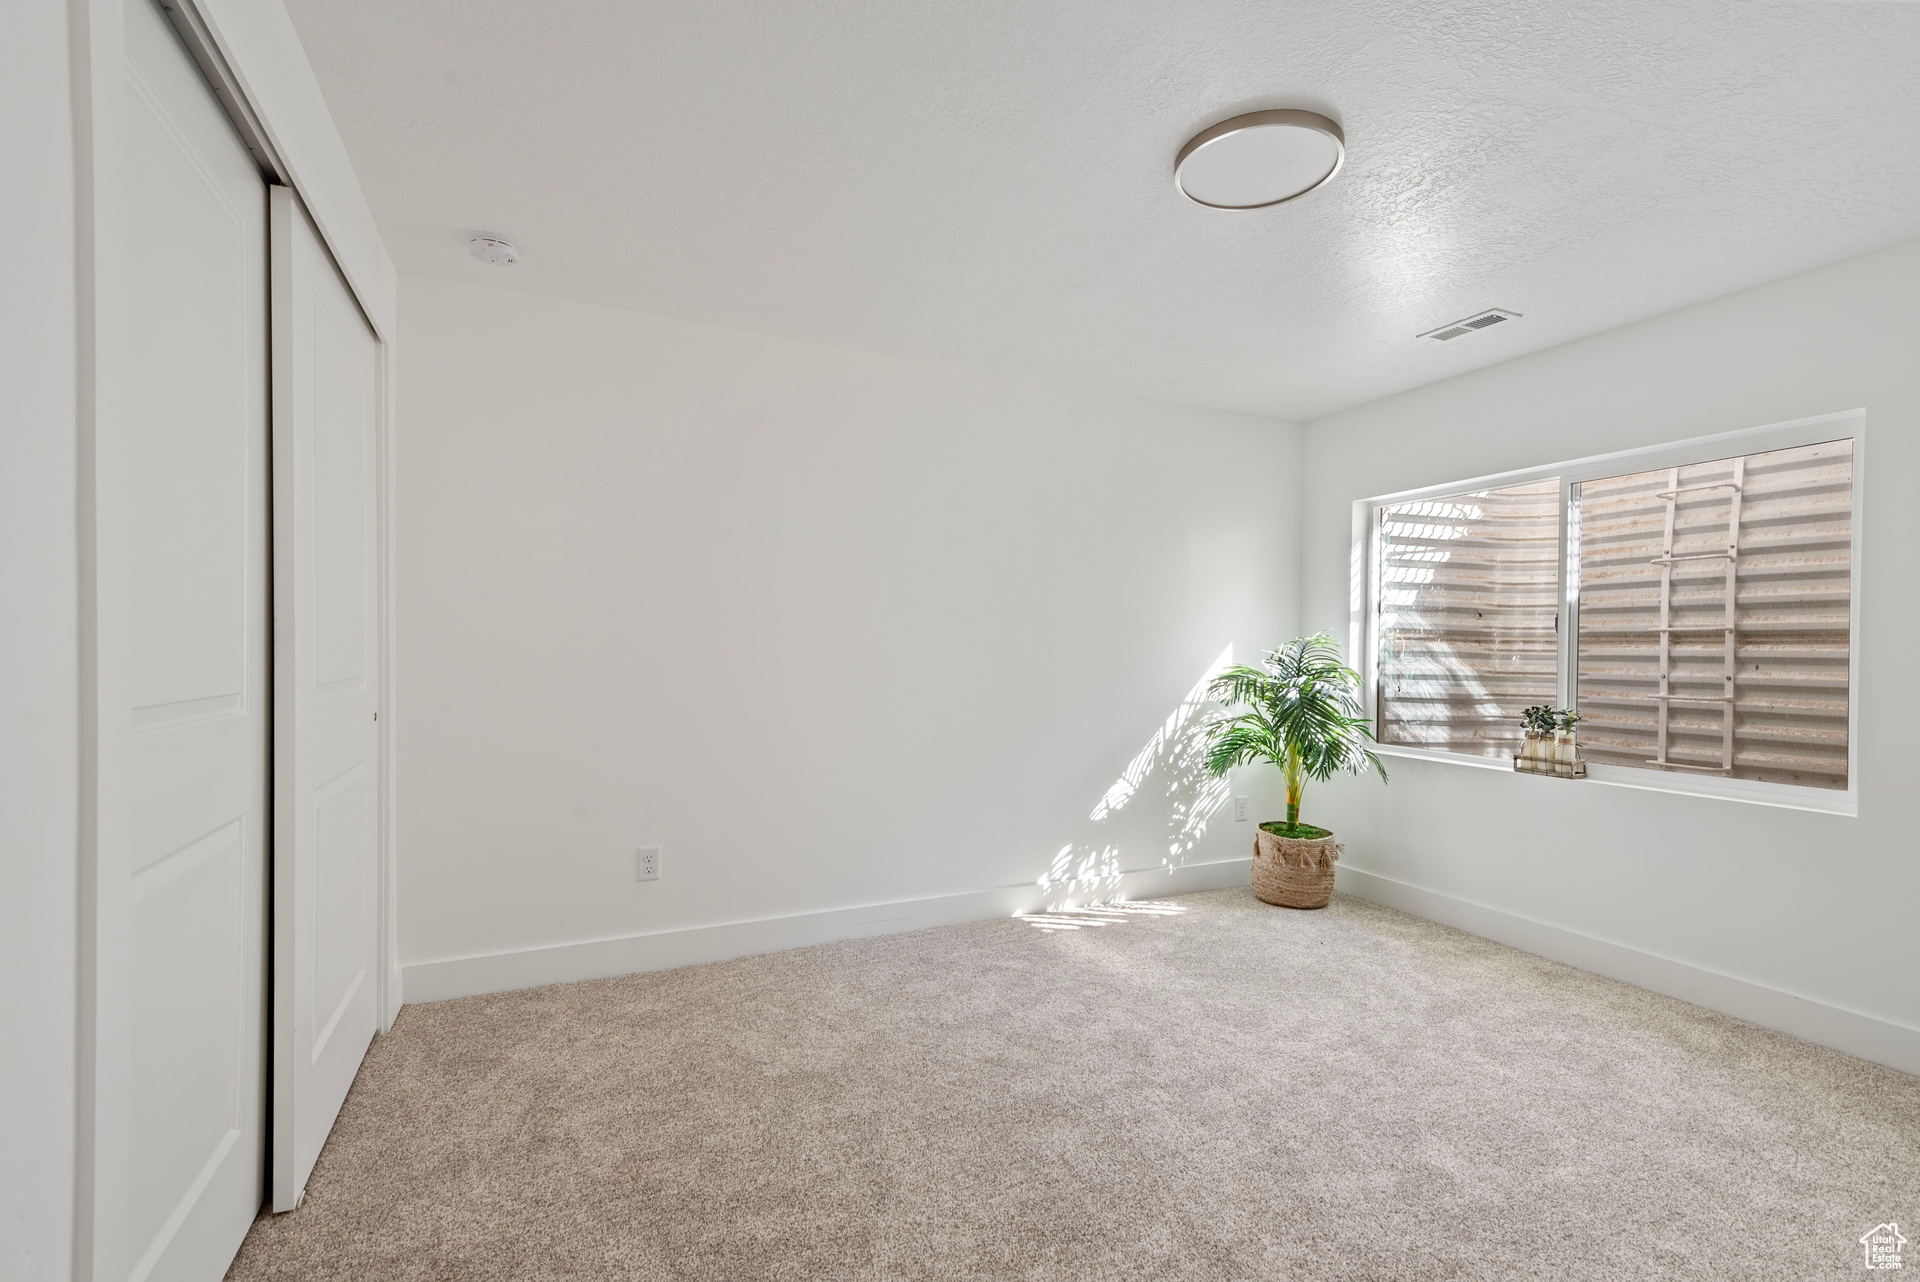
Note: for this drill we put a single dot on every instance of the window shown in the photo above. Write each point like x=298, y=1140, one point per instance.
x=1469, y=591
x=1694, y=602
x=1714, y=616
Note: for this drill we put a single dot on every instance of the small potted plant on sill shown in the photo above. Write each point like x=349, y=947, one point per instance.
x=1302, y=713
x=1551, y=746
x=1536, y=750
x=1566, y=745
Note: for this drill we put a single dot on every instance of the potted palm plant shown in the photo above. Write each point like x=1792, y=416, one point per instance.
x=1300, y=710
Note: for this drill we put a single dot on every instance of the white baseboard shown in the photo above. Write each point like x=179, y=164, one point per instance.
x=1868, y=1036
x=665, y=949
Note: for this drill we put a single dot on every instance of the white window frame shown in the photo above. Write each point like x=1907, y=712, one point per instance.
x=1364, y=621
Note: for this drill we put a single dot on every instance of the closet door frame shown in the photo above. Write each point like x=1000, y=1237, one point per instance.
x=252, y=56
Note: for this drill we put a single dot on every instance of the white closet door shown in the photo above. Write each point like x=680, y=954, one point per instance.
x=197, y=711
x=326, y=684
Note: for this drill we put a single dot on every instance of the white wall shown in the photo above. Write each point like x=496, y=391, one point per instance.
x=39, y=803
x=1752, y=902
x=834, y=629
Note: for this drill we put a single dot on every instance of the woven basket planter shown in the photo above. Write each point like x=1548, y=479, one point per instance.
x=1293, y=872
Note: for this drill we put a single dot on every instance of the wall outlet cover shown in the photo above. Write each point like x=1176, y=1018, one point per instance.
x=1239, y=810
x=647, y=864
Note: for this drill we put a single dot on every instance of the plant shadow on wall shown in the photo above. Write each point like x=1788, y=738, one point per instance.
x=1299, y=710
x=1173, y=766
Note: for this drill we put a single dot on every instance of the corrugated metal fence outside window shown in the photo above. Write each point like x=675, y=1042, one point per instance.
x=1469, y=590
x=1714, y=605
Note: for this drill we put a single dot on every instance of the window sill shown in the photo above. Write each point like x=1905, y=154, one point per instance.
x=1750, y=791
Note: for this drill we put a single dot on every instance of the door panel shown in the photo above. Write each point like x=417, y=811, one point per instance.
x=342, y=500
x=196, y=306
x=342, y=898
x=197, y=709
x=326, y=841
x=189, y=990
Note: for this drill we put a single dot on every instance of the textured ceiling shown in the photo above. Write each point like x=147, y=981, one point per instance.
x=990, y=183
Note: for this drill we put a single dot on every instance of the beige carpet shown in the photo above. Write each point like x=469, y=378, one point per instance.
x=1215, y=1089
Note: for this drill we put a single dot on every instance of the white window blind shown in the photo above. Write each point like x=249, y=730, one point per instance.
x=1469, y=589
x=1713, y=616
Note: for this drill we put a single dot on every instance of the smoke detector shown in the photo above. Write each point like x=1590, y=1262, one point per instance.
x=496, y=251
x=1473, y=324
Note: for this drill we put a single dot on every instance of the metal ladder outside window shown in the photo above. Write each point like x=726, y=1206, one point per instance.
x=1666, y=561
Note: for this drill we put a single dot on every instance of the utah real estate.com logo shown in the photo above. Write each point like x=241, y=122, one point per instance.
x=1882, y=1244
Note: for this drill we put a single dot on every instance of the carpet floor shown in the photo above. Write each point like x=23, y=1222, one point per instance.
x=1200, y=1088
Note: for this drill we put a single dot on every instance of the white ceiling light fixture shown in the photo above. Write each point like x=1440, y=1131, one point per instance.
x=497, y=251
x=1259, y=159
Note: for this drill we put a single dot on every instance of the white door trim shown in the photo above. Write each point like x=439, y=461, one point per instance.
x=389, y=905
x=103, y=1090
x=266, y=70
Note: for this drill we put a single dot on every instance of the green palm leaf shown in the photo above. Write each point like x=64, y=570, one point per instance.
x=1301, y=711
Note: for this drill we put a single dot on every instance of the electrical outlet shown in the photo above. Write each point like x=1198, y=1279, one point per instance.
x=1239, y=810
x=648, y=865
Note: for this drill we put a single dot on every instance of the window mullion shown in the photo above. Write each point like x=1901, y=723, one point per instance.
x=1569, y=613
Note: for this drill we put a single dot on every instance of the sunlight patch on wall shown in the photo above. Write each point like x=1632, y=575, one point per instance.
x=1090, y=871
x=1168, y=734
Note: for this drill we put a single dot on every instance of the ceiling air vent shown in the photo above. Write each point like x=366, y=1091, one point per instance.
x=1471, y=325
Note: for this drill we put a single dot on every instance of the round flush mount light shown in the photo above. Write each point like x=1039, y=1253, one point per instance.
x=1259, y=159
x=497, y=251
